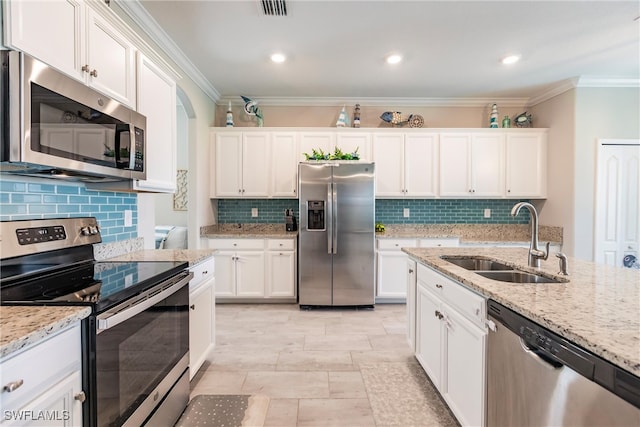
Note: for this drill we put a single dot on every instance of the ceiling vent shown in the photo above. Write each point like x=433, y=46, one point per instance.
x=273, y=7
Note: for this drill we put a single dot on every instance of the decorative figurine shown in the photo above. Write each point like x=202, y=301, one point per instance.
x=356, y=116
x=506, y=122
x=343, y=119
x=251, y=108
x=523, y=120
x=229, y=116
x=397, y=118
x=493, y=118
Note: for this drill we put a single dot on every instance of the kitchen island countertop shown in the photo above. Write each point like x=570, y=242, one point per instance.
x=598, y=308
x=21, y=326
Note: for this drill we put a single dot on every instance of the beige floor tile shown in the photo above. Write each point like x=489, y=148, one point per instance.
x=346, y=385
x=287, y=384
x=389, y=342
x=243, y=360
x=337, y=342
x=335, y=412
x=315, y=361
x=282, y=413
x=218, y=383
x=259, y=343
x=399, y=355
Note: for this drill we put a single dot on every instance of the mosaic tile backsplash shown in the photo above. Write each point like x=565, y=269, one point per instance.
x=21, y=199
x=388, y=211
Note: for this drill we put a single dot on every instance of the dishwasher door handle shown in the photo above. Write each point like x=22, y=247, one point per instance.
x=540, y=356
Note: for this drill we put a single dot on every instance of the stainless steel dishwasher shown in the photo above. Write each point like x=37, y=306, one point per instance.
x=537, y=378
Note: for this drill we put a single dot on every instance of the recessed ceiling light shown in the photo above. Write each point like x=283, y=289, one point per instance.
x=511, y=59
x=278, y=57
x=393, y=58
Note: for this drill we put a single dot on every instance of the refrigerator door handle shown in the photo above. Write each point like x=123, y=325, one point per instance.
x=334, y=218
x=329, y=217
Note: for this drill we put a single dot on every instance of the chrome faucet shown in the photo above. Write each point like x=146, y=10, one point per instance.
x=563, y=263
x=535, y=254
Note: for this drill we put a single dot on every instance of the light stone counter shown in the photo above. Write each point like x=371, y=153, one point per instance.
x=192, y=256
x=598, y=308
x=473, y=233
x=247, y=231
x=21, y=326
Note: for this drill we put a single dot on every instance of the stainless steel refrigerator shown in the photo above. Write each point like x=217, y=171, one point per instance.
x=336, y=234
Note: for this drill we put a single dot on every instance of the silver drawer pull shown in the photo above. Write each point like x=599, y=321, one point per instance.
x=80, y=397
x=13, y=386
x=205, y=272
x=438, y=286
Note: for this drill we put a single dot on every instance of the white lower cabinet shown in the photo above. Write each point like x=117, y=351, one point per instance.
x=451, y=342
x=255, y=268
x=47, y=383
x=412, y=275
x=202, y=306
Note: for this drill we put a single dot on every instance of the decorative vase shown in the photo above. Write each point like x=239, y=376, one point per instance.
x=493, y=118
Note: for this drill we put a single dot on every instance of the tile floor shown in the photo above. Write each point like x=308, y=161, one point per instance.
x=322, y=367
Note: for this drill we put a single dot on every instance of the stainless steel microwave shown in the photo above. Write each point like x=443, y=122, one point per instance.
x=55, y=126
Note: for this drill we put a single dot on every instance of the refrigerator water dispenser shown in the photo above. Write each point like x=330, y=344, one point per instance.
x=315, y=215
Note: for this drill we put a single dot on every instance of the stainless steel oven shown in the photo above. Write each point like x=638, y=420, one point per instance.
x=55, y=126
x=136, y=340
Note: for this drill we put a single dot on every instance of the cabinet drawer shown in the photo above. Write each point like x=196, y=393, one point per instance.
x=467, y=302
x=396, y=244
x=39, y=367
x=437, y=243
x=201, y=272
x=232, y=244
x=281, y=244
x=431, y=280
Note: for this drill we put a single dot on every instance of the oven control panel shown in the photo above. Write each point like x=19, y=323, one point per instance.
x=29, y=236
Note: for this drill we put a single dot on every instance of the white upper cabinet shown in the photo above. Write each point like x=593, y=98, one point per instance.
x=284, y=164
x=526, y=165
x=350, y=142
x=388, y=155
x=255, y=164
x=455, y=165
x=157, y=101
x=310, y=141
x=77, y=41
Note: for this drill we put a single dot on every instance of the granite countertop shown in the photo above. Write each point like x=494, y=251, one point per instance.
x=192, y=256
x=472, y=233
x=247, y=231
x=21, y=326
x=598, y=308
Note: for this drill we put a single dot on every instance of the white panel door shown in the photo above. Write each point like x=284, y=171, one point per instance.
x=225, y=273
x=455, y=166
x=429, y=340
x=388, y=154
x=250, y=274
x=228, y=164
x=526, y=159
x=487, y=165
x=421, y=165
x=350, y=142
x=255, y=164
x=309, y=141
x=201, y=323
x=281, y=268
x=617, y=222
x=391, y=274
x=284, y=165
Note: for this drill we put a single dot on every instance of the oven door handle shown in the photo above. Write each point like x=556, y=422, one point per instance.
x=142, y=302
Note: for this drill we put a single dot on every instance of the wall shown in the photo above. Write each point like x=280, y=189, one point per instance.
x=25, y=198
x=388, y=211
x=320, y=116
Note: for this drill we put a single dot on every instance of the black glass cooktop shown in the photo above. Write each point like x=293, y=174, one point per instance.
x=102, y=284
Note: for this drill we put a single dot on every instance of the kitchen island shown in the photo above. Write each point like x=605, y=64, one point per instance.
x=598, y=308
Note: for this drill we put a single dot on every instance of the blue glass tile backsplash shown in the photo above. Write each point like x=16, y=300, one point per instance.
x=388, y=211
x=33, y=200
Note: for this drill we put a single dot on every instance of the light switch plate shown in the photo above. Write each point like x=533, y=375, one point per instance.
x=254, y=212
x=405, y=212
x=487, y=213
x=128, y=218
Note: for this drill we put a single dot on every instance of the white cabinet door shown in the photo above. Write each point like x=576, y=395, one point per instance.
x=201, y=325
x=388, y=154
x=526, y=165
x=487, y=165
x=227, y=152
x=350, y=142
x=309, y=141
x=464, y=390
x=225, y=273
x=52, y=31
x=284, y=165
x=157, y=101
x=250, y=274
x=429, y=339
x=411, y=302
x=281, y=271
x=421, y=165
x=111, y=60
x=255, y=164
x=455, y=165
x=391, y=274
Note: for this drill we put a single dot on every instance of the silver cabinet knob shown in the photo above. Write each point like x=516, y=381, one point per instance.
x=439, y=286
x=80, y=397
x=13, y=386
x=192, y=306
x=94, y=73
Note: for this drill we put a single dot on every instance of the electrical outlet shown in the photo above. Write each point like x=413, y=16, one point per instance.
x=254, y=212
x=405, y=212
x=487, y=213
x=128, y=218
x=128, y=280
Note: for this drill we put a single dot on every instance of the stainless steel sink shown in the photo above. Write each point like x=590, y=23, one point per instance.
x=516, y=277
x=495, y=270
x=472, y=263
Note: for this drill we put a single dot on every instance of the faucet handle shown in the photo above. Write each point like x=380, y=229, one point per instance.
x=562, y=259
x=546, y=253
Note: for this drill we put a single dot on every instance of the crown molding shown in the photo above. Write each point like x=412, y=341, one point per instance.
x=556, y=90
x=145, y=21
x=371, y=102
x=586, y=81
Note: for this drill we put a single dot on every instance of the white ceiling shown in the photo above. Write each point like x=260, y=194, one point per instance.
x=451, y=49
